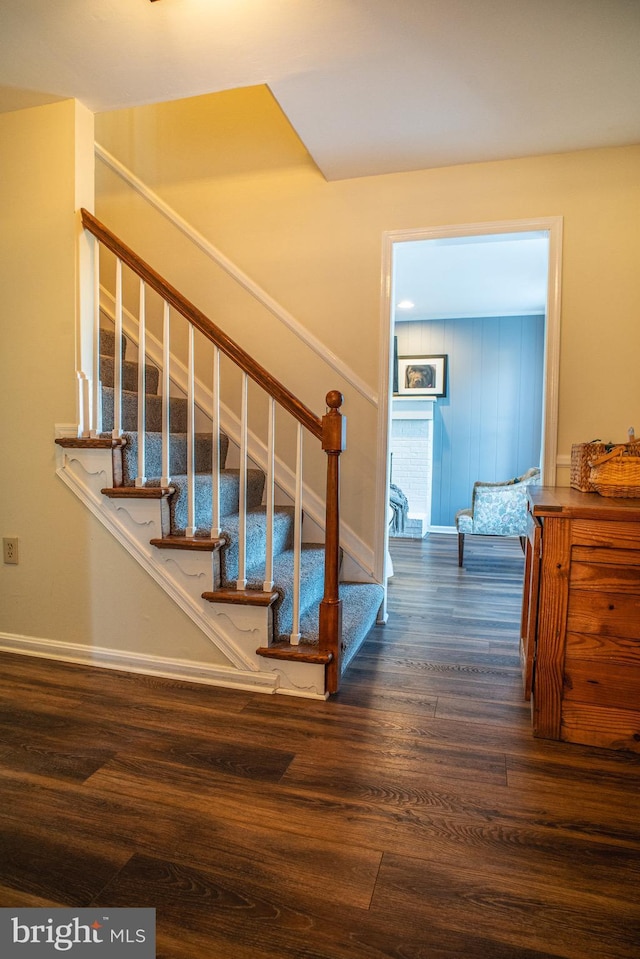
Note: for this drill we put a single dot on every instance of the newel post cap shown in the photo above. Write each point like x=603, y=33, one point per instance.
x=334, y=424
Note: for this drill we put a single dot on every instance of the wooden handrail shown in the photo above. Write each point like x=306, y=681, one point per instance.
x=201, y=322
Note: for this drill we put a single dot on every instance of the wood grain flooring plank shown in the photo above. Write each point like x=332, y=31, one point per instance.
x=604, y=814
x=388, y=815
x=412, y=703
x=416, y=666
x=419, y=734
x=553, y=819
x=224, y=918
x=145, y=732
x=257, y=762
x=230, y=912
x=372, y=939
x=58, y=763
x=440, y=654
x=220, y=906
x=36, y=861
x=562, y=763
x=511, y=715
x=16, y=899
x=340, y=872
x=434, y=684
x=333, y=717
x=525, y=915
x=35, y=737
x=539, y=839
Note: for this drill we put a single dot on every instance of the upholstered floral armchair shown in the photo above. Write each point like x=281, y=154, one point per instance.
x=497, y=509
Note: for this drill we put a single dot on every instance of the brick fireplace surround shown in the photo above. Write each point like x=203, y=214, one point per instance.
x=412, y=459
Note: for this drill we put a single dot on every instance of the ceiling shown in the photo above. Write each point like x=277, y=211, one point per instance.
x=370, y=86
x=502, y=274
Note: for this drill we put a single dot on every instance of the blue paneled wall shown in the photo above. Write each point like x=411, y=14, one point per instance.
x=489, y=425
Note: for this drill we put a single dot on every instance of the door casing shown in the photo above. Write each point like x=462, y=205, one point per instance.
x=551, y=373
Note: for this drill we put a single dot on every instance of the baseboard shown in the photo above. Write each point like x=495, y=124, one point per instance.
x=149, y=665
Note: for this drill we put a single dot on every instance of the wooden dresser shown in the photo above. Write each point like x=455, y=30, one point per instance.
x=580, y=634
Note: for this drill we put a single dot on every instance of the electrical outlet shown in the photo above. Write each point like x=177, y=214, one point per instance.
x=10, y=550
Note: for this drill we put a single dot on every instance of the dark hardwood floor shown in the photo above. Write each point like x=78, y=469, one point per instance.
x=413, y=816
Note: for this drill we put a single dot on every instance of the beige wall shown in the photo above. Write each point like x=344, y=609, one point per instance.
x=74, y=583
x=231, y=165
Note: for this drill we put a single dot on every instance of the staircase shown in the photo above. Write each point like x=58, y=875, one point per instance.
x=251, y=551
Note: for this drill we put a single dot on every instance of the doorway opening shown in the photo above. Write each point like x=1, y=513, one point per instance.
x=472, y=313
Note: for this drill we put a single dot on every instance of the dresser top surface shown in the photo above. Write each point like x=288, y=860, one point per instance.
x=572, y=504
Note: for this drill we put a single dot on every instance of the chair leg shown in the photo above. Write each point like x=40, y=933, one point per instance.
x=460, y=548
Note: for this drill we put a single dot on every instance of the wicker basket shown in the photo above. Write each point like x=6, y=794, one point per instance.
x=581, y=456
x=617, y=473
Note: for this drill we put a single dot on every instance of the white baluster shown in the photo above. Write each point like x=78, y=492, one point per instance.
x=270, y=491
x=141, y=478
x=242, y=491
x=216, y=528
x=95, y=407
x=297, y=544
x=166, y=319
x=117, y=359
x=84, y=404
x=191, y=479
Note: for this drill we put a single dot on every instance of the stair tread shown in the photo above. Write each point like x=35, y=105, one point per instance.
x=101, y=442
x=303, y=653
x=154, y=403
x=203, y=444
x=248, y=597
x=202, y=543
x=129, y=375
x=182, y=477
x=134, y=394
x=311, y=554
x=360, y=605
x=312, y=582
x=138, y=492
x=229, y=490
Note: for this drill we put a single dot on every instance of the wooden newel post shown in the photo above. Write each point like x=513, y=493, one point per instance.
x=333, y=443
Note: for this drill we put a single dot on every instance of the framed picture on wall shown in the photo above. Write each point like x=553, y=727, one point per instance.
x=422, y=375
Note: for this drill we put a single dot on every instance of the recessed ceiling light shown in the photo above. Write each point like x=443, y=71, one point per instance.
x=406, y=305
